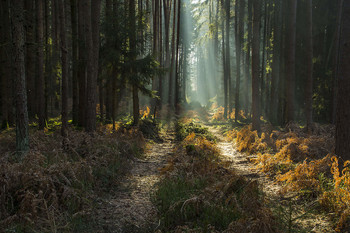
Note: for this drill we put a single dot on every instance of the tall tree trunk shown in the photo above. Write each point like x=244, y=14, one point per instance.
x=30, y=56
x=247, y=62
x=93, y=46
x=5, y=64
x=309, y=56
x=336, y=61
x=40, y=55
x=276, y=62
x=255, y=65
x=239, y=39
x=22, y=139
x=224, y=66
x=342, y=135
x=166, y=12
x=262, y=70
x=156, y=27
x=171, y=76
x=64, y=60
x=82, y=63
x=290, y=60
x=74, y=19
x=132, y=39
x=177, y=60
x=228, y=56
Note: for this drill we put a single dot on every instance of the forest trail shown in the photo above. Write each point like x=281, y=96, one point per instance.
x=303, y=217
x=240, y=163
x=130, y=209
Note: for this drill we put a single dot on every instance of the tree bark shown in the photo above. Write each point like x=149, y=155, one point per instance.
x=309, y=56
x=82, y=63
x=92, y=13
x=5, y=64
x=22, y=138
x=239, y=39
x=228, y=57
x=255, y=65
x=276, y=62
x=248, y=59
x=290, y=60
x=177, y=60
x=40, y=98
x=30, y=56
x=75, y=61
x=64, y=60
x=336, y=61
x=342, y=135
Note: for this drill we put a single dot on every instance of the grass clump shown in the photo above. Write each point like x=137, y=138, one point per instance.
x=183, y=129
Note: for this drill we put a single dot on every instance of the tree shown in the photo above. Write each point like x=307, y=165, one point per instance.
x=82, y=63
x=30, y=56
x=290, y=60
x=240, y=5
x=255, y=65
x=92, y=13
x=5, y=64
x=309, y=56
x=228, y=56
x=342, y=135
x=64, y=60
x=177, y=60
x=74, y=19
x=277, y=36
x=22, y=138
x=132, y=58
x=40, y=98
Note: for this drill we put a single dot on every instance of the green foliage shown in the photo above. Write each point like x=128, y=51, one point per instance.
x=179, y=202
x=182, y=130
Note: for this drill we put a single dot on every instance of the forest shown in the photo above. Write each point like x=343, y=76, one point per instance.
x=174, y=116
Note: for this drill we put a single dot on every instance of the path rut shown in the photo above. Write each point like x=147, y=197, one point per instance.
x=130, y=208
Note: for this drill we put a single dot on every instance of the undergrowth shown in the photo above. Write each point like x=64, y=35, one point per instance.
x=199, y=194
x=52, y=189
x=186, y=127
x=303, y=163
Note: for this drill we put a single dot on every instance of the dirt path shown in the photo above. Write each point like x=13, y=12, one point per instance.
x=240, y=162
x=130, y=208
x=313, y=221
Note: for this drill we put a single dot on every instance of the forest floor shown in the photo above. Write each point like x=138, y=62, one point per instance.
x=303, y=216
x=129, y=208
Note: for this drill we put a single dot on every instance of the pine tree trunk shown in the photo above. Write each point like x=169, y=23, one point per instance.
x=276, y=61
x=171, y=75
x=30, y=57
x=248, y=59
x=336, y=61
x=239, y=39
x=64, y=60
x=342, y=136
x=82, y=63
x=228, y=57
x=255, y=65
x=309, y=56
x=132, y=38
x=75, y=62
x=22, y=139
x=5, y=64
x=177, y=60
x=290, y=60
x=40, y=70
